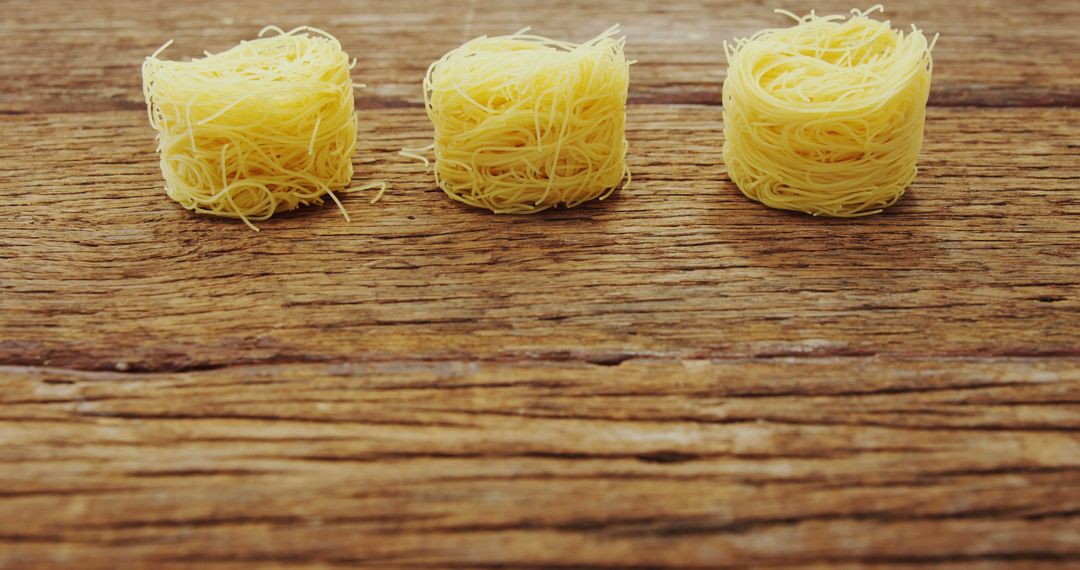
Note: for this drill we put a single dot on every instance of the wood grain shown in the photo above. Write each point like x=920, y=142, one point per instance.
x=676, y=377
x=980, y=258
x=655, y=463
x=71, y=56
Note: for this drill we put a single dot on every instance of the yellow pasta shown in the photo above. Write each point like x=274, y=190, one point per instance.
x=264, y=127
x=524, y=123
x=826, y=117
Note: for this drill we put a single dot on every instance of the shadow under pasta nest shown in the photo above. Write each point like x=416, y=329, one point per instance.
x=900, y=240
x=593, y=211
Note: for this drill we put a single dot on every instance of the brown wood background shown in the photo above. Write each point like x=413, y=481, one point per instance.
x=676, y=377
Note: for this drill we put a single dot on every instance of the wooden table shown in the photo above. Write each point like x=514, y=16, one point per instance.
x=675, y=377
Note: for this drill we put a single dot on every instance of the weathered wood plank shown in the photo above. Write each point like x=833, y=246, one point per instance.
x=688, y=464
x=100, y=270
x=676, y=377
x=73, y=56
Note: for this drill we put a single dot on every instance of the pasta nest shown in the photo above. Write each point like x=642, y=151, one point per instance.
x=264, y=127
x=524, y=123
x=826, y=117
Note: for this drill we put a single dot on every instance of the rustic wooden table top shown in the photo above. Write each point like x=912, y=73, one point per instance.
x=675, y=377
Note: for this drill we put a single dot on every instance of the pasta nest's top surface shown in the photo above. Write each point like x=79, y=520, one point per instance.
x=829, y=62
x=282, y=69
x=505, y=73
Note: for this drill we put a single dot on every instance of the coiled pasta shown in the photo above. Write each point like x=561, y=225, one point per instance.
x=826, y=117
x=524, y=123
x=264, y=127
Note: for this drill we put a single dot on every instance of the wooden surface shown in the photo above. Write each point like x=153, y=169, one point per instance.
x=676, y=377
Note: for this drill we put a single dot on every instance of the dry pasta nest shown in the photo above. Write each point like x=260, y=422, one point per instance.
x=264, y=127
x=826, y=117
x=524, y=123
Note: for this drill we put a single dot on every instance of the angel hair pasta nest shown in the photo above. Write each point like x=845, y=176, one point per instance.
x=264, y=127
x=524, y=123
x=826, y=117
